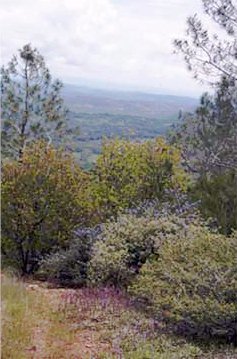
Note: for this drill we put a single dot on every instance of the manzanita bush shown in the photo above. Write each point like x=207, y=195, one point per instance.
x=192, y=284
x=126, y=243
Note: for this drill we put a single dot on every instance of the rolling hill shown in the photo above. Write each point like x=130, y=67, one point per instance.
x=108, y=113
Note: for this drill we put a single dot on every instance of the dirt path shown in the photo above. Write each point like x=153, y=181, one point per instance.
x=58, y=338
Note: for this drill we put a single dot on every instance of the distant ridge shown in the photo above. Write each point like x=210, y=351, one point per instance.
x=133, y=103
x=97, y=91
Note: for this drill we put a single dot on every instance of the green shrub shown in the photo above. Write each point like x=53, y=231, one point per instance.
x=69, y=267
x=127, y=173
x=126, y=243
x=44, y=197
x=193, y=284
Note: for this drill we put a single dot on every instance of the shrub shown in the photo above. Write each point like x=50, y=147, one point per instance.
x=193, y=284
x=44, y=197
x=218, y=194
x=126, y=243
x=128, y=173
x=174, y=203
x=68, y=267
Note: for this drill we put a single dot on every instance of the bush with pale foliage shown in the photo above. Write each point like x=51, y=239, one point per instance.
x=192, y=284
x=125, y=244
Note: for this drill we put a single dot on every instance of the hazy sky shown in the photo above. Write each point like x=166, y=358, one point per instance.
x=118, y=43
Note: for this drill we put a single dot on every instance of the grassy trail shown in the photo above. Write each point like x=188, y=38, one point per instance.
x=39, y=322
x=34, y=326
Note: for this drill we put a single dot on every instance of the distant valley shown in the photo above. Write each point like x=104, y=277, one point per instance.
x=109, y=113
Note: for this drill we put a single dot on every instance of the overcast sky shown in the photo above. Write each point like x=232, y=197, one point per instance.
x=125, y=44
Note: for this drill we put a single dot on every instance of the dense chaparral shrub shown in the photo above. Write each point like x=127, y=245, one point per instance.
x=69, y=267
x=126, y=243
x=132, y=236
x=44, y=197
x=193, y=284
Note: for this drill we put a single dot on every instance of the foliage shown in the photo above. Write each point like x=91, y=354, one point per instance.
x=126, y=244
x=68, y=267
x=44, y=197
x=210, y=57
x=127, y=173
x=218, y=199
x=208, y=137
x=31, y=103
x=174, y=203
x=209, y=150
x=193, y=284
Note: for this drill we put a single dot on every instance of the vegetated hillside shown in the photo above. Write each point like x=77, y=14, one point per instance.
x=107, y=113
x=86, y=100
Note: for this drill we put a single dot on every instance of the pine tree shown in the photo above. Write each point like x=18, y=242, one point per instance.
x=31, y=103
x=208, y=137
x=207, y=55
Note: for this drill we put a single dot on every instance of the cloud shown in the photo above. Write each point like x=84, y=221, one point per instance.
x=115, y=42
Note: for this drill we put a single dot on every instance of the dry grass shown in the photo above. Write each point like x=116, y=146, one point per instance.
x=35, y=326
x=31, y=325
x=17, y=318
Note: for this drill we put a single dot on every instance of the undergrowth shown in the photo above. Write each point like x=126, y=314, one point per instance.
x=130, y=333
x=99, y=323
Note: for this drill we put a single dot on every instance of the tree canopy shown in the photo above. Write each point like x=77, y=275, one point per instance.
x=43, y=200
x=31, y=103
x=208, y=55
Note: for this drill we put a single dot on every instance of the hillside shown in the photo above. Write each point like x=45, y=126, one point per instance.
x=106, y=113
